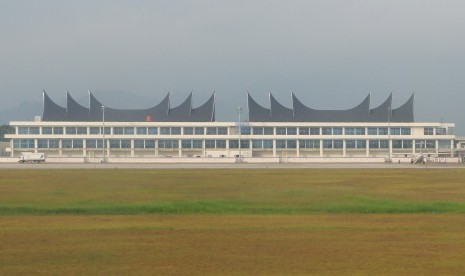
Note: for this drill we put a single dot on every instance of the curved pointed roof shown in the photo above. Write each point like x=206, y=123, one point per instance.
x=158, y=113
x=303, y=113
x=404, y=113
x=182, y=112
x=257, y=113
x=381, y=113
x=280, y=113
x=74, y=111
x=205, y=112
x=50, y=110
x=359, y=113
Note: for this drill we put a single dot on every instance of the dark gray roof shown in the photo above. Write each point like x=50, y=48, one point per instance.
x=51, y=111
x=74, y=112
x=302, y=113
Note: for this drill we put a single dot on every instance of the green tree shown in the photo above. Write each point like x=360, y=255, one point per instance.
x=5, y=129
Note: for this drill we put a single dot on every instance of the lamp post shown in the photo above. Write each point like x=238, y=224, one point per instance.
x=103, y=133
x=239, y=112
x=389, y=134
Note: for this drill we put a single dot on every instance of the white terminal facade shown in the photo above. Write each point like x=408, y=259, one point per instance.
x=203, y=139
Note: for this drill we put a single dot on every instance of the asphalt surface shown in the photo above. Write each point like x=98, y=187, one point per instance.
x=14, y=166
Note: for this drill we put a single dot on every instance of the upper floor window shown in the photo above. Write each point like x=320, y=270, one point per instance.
x=428, y=131
x=441, y=131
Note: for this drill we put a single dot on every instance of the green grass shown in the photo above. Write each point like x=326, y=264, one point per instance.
x=115, y=192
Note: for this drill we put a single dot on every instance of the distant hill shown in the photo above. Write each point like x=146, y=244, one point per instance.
x=24, y=111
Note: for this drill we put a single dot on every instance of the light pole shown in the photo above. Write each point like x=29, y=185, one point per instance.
x=389, y=134
x=239, y=112
x=103, y=133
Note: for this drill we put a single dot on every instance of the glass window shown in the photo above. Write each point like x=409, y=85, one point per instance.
x=337, y=144
x=372, y=131
x=42, y=143
x=224, y=131
x=220, y=144
x=53, y=143
x=337, y=130
x=128, y=131
x=350, y=131
x=149, y=144
x=245, y=144
x=81, y=130
x=34, y=130
x=126, y=143
x=165, y=131
x=94, y=130
x=444, y=144
x=197, y=144
x=280, y=144
x=199, y=131
x=407, y=144
x=258, y=131
x=267, y=144
x=257, y=144
x=78, y=143
x=350, y=144
x=188, y=131
x=47, y=130
x=383, y=144
x=267, y=131
x=291, y=131
x=280, y=131
x=118, y=131
x=428, y=131
x=141, y=131
x=359, y=131
x=328, y=144
x=383, y=131
x=405, y=131
x=397, y=144
x=139, y=144
x=23, y=143
x=152, y=130
x=245, y=130
x=175, y=131
x=23, y=130
x=209, y=144
x=67, y=143
x=291, y=144
x=430, y=144
x=57, y=130
x=395, y=131
x=304, y=131
x=441, y=131
x=186, y=144
x=361, y=144
x=233, y=144
x=70, y=130
x=91, y=143
x=374, y=144
x=327, y=131
x=212, y=131
x=314, y=131
x=115, y=143
x=309, y=144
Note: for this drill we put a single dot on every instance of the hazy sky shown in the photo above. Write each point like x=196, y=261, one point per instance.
x=331, y=54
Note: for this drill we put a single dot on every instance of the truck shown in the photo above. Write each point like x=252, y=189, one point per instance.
x=31, y=157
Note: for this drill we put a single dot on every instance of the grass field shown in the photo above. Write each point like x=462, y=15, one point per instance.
x=326, y=221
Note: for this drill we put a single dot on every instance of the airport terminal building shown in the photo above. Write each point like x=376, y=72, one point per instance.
x=98, y=132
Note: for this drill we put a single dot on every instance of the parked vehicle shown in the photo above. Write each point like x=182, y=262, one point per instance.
x=418, y=159
x=31, y=157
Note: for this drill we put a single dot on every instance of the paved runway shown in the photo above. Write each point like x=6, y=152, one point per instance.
x=7, y=166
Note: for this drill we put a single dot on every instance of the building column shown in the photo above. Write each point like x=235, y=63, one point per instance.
x=344, y=150
x=12, y=149
x=297, y=148
x=156, y=148
x=179, y=148
x=414, y=147
x=367, y=146
x=390, y=149
x=84, y=148
x=436, y=146
x=35, y=146
x=132, y=147
x=451, y=148
x=274, y=148
x=60, y=148
x=321, y=147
